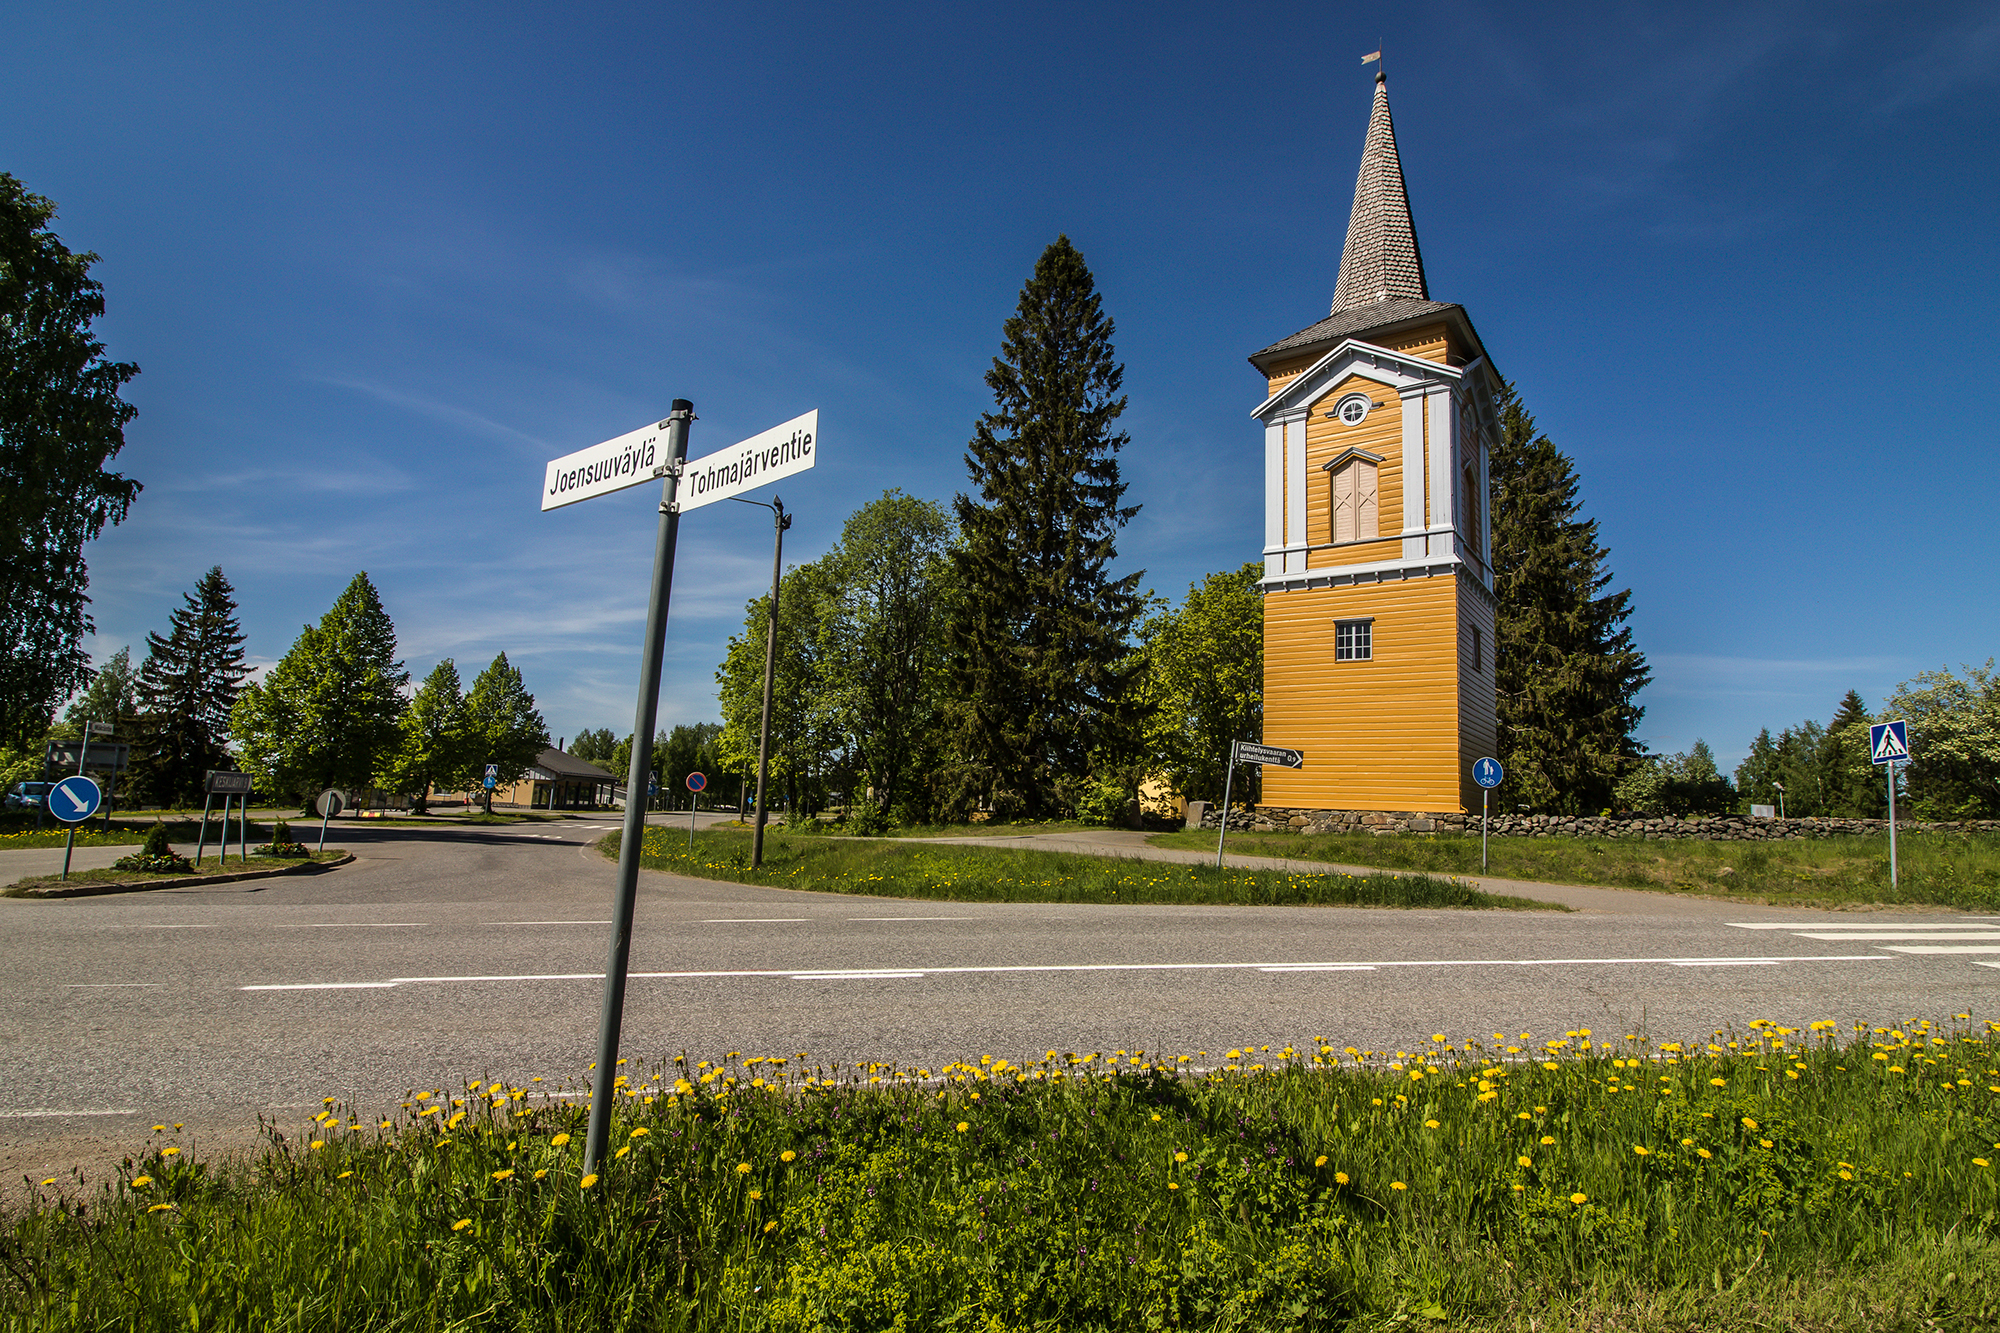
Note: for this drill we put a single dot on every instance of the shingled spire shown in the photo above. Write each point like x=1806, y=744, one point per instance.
x=1381, y=260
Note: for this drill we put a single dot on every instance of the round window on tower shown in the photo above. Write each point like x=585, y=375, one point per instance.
x=1353, y=409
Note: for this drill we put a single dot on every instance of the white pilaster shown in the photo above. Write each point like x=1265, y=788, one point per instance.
x=1295, y=492
x=1274, y=499
x=1441, y=413
x=1414, y=518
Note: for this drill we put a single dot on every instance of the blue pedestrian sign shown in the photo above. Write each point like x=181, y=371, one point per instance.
x=492, y=776
x=1889, y=742
x=75, y=799
x=1487, y=773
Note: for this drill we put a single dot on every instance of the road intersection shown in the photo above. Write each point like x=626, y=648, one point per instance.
x=447, y=954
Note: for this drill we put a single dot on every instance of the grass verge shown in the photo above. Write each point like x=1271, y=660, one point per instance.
x=1935, y=869
x=1770, y=1179
x=208, y=866
x=888, y=869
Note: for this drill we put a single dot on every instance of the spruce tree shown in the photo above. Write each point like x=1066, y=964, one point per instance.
x=328, y=711
x=1565, y=666
x=187, y=687
x=1041, y=653
x=503, y=726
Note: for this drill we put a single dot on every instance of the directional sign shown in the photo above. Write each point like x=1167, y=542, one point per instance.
x=75, y=799
x=1889, y=742
x=778, y=452
x=1487, y=772
x=220, y=783
x=1249, y=753
x=102, y=729
x=697, y=782
x=492, y=776
x=625, y=460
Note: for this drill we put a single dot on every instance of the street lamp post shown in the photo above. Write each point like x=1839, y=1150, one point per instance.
x=780, y=521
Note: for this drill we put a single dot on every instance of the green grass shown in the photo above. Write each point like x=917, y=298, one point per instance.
x=1941, y=869
x=1018, y=829
x=208, y=865
x=891, y=869
x=1769, y=1179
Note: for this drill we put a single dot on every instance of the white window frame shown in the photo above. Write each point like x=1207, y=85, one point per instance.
x=1357, y=627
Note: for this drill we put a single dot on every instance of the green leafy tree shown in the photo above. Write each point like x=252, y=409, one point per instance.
x=61, y=422
x=1041, y=656
x=1566, y=670
x=112, y=696
x=596, y=747
x=329, y=710
x=807, y=743
x=187, y=687
x=503, y=727
x=883, y=643
x=1203, y=683
x=434, y=744
x=1677, y=784
x=1954, y=770
x=683, y=750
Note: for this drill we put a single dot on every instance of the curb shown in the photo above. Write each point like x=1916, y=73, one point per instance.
x=93, y=889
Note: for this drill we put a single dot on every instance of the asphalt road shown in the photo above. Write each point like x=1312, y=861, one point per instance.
x=447, y=954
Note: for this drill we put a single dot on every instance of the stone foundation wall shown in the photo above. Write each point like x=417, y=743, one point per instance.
x=1711, y=828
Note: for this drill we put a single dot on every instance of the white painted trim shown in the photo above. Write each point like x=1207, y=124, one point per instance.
x=1384, y=571
x=1351, y=451
x=1441, y=422
x=1295, y=512
x=1397, y=370
x=1274, y=497
x=1414, y=520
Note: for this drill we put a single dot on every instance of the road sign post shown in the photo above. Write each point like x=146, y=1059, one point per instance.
x=1888, y=745
x=1249, y=752
x=1488, y=774
x=73, y=800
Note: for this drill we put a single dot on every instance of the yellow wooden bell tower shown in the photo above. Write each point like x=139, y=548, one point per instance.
x=1378, y=582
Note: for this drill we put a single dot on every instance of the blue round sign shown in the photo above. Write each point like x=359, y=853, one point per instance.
x=697, y=782
x=75, y=799
x=1487, y=772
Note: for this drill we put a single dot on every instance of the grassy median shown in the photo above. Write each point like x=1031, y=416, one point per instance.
x=1773, y=1178
x=888, y=869
x=1935, y=869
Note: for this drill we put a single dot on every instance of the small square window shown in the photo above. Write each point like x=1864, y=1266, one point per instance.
x=1353, y=640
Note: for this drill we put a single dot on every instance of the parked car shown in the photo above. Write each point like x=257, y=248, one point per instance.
x=28, y=795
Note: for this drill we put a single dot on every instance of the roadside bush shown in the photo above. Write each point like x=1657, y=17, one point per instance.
x=156, y=855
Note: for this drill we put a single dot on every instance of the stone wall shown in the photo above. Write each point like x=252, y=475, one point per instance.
x=1712, y=828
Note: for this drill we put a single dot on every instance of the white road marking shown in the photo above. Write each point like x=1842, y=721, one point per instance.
x=853, y=976
x=750, y=920
x=1942, y=948
x=345, y=925
x=545, y=923
x=188, y=926
x=39, y=1113
x=1905, y=935
x=913, y=918
x=1085, y=967
x=1318, y=967
x=1807, y=925
x=1728, y=962
x=113, y=985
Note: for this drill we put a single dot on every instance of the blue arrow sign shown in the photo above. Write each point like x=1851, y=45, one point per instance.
x=1487, y=772
x=1889, y=742
x=75, y=799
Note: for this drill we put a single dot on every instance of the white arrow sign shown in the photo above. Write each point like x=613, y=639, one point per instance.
x=759, y=460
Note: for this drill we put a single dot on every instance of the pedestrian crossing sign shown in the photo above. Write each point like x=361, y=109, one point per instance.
x=1889, y=742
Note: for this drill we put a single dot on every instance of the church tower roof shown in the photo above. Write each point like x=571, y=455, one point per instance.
x=1381, y=261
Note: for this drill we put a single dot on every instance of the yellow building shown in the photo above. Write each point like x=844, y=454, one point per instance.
x=1378, y=607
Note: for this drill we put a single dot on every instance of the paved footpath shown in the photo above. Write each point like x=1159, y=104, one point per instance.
x=444, y=954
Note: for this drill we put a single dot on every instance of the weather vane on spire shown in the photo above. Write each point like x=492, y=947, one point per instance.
x=1375, y=58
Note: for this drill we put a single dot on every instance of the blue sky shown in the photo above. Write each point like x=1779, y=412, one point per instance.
x=380, y=262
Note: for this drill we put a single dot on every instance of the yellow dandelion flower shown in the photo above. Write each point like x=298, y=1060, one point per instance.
x=1547, y=1140
x=588, y=1180
x=1979, y=1161
x=963, y=1126
x=1703, y=1153
x=455, y=1121
x=461, y=1224
x=140, y=1182
x=1172, y=1186
x=508, y=1174
x=1748, y=1123
x=343, y=1175
x=1522, y=1115
x=756, y=1194
x=1319, y=1162
x=160, y=1208
x=1340, y=1177
x=559, y=1140
x=1642, y=1151
x=1847, y=1175
x=1524, y=1160
x=318, y=1144
x=787, y=1155
x=168, y=1152
x=1763, y=1143
x=50, y=1181
x=1718, y=1083
x=1579, y=1198
x=639, y=1133
x=1430, y=1124
x=743, y=1168
x=769, y=1227
x=1397, y=1185
x=1182, y=1157
x=543, y=1172
x=622, y=1152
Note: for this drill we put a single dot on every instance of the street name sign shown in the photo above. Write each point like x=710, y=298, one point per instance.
x=75, y=799
x=1488, y=773
x=778, y=452
x=1248, y=752
x=1889, y=742
x=624, y=460
x=221, y=783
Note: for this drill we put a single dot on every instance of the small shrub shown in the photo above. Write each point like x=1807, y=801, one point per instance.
x=156, y=855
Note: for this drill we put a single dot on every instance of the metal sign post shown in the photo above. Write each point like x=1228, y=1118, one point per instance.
x=1250, y=752
x=328, y=805
x=1488, y=774
x=73, y=801
x=1888, y=744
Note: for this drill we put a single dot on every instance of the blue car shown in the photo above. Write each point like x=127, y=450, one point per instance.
x=28, y=795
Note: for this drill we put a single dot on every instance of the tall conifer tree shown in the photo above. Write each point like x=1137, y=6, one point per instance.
x=1041, y=652
x=187, y=687
x=1565, y=665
